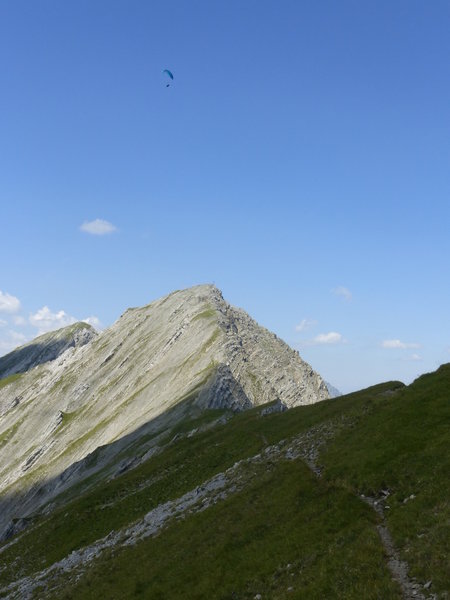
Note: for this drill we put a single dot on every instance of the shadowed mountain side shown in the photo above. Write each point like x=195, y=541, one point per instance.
x=19, y=510
x=221, y=394
x=45, y=348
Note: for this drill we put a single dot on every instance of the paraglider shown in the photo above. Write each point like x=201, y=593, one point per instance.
x=169, y=74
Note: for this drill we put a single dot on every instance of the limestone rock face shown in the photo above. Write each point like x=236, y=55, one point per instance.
x=86, y=409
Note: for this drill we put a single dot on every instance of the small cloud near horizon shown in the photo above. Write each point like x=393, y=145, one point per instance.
x=328, y=338
x=332, y=337
x=325, y=339
x=399, y=344
x=343, y=292
x=305, y=324
x=98, y=227
x=9, y=303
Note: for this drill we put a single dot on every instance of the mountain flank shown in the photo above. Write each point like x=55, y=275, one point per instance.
x=160, y=460
x=101, y=406
x=344, y=498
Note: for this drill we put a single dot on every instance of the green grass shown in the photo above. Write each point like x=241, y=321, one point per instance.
x=69, y=417
x=212, y=338
x=205, y=417
x=388, y=436
x=7, y=380
x=403, y=446
x=8, y=434
x=178, y=469
x=209, y=313
x=286, y=530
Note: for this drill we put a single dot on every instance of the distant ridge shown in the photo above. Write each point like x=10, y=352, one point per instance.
x=45, y=348
x=334, y=392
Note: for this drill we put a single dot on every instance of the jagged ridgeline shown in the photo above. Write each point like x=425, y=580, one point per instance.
x=74, y=403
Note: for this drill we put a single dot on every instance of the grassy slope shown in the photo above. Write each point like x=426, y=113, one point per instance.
x=7, y=380
x=286, y=530
x=403, y=446
x=396, y=440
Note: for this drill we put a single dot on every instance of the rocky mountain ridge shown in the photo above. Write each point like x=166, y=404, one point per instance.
x=45, y=348
x=102, y=406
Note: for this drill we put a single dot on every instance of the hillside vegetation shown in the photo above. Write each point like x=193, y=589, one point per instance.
x=290, y=521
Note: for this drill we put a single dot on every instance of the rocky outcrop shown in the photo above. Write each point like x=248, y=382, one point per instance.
x=45, y=348
x=100, y=402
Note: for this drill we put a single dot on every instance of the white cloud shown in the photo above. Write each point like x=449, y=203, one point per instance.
x=328, y=338
x=94, y=321
x=415, y=357
x=399, y=344
x=342, y=291
x=305, y=324
x=2, y=323
x=19, y=320
x=98, y=227
x=45, y=320
x=11, y=340
x=8, y=303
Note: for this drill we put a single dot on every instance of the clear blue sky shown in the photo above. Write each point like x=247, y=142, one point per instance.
x=300, y=160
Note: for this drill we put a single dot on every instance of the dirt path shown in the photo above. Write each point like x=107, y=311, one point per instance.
x=314, y=440
x=399, y=568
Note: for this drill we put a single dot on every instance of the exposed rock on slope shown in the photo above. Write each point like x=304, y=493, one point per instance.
x=45, y=348
x=98, y=404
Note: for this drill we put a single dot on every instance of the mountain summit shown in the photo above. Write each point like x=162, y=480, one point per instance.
x=111, y=397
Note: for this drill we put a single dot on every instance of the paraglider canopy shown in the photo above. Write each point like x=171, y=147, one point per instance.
x=168, y=74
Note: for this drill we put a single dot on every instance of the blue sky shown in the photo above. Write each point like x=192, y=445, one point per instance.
x=300, y=161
